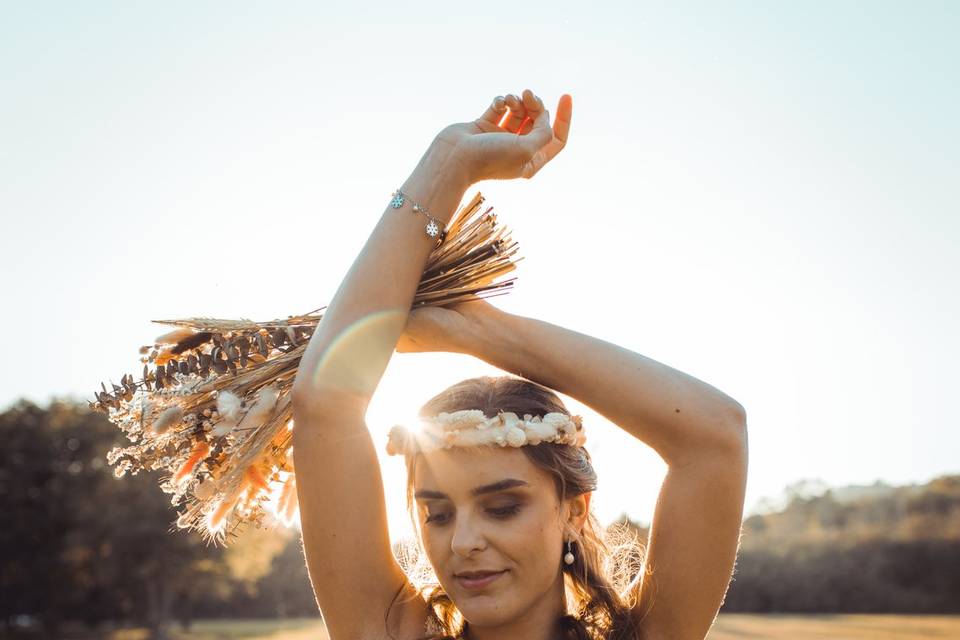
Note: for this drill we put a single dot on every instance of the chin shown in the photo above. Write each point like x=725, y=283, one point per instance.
x=485, y=609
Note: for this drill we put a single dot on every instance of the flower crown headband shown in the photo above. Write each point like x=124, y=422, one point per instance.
x=472, y=428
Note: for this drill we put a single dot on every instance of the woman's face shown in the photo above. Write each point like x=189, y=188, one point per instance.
x=491, y=528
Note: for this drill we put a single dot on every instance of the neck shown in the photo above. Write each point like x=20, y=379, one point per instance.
x=540, y=622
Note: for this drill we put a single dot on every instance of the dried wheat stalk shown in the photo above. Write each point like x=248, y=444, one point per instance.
x=212, y=408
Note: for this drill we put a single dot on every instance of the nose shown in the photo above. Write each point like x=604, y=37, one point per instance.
x=467, y=536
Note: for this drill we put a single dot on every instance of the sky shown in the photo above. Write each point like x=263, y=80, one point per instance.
x=762, y=195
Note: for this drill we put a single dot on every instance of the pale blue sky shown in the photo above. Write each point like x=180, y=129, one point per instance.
x=760, y=194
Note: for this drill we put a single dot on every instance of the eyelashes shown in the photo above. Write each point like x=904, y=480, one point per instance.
x=435, y=518
x=505, y=512
x=500, y=513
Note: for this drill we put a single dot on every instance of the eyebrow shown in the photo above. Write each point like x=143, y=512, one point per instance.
x=503, y=485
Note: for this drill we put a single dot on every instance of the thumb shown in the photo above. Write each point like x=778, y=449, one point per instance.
x=540, y=134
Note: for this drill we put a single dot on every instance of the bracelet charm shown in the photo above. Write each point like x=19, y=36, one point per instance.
x=433, y=228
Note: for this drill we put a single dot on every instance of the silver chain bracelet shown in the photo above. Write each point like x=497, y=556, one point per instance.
x=434, y=228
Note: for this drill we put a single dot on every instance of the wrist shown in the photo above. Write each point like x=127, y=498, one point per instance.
x=447, y=164
x=437, y=183
x=489, y=335
x=449, y=154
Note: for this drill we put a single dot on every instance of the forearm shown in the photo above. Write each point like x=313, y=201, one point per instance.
x=352, y=345
x=674, y=413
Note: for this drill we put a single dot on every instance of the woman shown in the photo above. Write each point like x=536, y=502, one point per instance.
x=503, y=503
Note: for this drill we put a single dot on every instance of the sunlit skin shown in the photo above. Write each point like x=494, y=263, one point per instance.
x=700, y=432
x=518, y=529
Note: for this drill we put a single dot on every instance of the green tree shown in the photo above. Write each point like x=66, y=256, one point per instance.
x=79, y=543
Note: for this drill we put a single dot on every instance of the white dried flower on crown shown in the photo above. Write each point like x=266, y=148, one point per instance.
x=472, y=428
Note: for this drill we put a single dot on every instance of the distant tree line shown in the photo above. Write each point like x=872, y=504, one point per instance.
x=892, y=552
x=78, y=544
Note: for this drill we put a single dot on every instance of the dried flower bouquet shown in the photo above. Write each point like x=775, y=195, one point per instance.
x=212, y=409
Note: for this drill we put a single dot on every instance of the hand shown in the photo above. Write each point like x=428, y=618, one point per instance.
x=518, y=148
x=453, y=329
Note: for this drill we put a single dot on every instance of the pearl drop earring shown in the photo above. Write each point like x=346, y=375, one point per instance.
x=568, y=558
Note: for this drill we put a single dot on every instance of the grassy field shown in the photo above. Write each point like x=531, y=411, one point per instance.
x=728, y=627
x=839, y=627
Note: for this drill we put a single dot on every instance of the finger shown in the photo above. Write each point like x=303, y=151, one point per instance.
x=561, y=130
x=517, y=114
x=495, y=111
x=561, y=127
x=531, y=101
x=540, y=135
x=533, y=105
x=557, y=137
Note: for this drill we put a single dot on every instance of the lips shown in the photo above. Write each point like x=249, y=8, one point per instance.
x=474, y=580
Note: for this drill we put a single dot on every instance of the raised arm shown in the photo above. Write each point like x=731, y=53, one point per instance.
x=699, y=431
x=342, y=510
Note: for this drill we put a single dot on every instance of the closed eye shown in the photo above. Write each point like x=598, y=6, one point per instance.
x=436, y=518
x=504, y=512
x=499, y=512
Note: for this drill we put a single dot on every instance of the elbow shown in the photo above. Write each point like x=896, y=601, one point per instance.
x=738, y=416
x=735, y=430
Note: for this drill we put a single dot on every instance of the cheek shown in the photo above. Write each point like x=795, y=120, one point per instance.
x=437, y=546
x=538, y=538
x=434, y=543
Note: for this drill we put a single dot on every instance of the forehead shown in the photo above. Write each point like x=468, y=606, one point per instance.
x=457, y=470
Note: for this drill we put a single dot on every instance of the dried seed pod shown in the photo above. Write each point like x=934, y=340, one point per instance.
x=220, y=366
x=184, y=367
x=169, y=417
x=217, y=339
x=205, y=360
x=192, y=342
x=192, y=363
x=278, y=338
x=205, y=489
